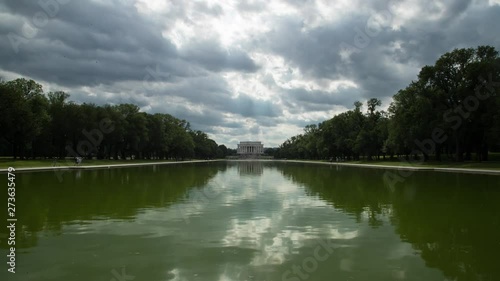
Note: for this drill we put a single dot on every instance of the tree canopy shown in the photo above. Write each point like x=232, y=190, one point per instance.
x=453, y=108
x=35, y=124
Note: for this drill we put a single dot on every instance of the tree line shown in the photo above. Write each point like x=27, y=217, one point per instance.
x=450, y=112
x=34, y=124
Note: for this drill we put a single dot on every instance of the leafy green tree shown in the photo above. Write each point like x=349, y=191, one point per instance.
x=411, y=120
x=368, y=141
x=157, y=147
x=454, y=82
x=182, y=145
x=222, y=151
x=24, y=115
x=58, y=127
x=204, y=147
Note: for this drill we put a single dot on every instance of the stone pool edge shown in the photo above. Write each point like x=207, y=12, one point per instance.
x=411, y=168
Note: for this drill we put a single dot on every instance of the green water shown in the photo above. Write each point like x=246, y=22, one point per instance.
x=254, y=221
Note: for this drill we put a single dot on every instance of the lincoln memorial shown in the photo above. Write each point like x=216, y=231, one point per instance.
x=250, y=148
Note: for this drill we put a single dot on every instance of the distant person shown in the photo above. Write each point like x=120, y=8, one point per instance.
x=78, y=160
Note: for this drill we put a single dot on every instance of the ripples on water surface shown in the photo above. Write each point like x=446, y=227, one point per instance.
x=255, y=221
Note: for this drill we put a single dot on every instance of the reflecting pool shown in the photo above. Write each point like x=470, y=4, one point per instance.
x=254, y=221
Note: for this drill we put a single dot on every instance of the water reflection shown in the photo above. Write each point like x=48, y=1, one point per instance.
x=250, y=167
x=45, y=204
x=215, y=222
x=451, y=220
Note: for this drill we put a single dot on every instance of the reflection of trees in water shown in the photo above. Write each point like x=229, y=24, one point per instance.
x=43, y=203
x=345, y=188
x=453, y=220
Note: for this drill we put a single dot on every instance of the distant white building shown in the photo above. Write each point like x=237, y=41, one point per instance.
x=250, y=148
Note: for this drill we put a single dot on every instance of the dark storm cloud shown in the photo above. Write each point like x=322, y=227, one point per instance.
x=212, y=91
x=87, y=43
x=249, y=107
x=211, y=56
x=251, y=6
x=254, y=130
x=203, y=120
x=214, y=10
x=425, y=42
x=322, y=99
x=88, y=25
x=317, y=54
x=267, y=121
x=314, y=51
x=233, y=125
x=457, y=7
x=374, y=66
x=448, y=12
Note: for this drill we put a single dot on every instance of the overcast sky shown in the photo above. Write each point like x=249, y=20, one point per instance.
x=238, y=70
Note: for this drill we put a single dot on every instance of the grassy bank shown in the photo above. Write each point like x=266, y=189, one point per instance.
x=492, y=165
x=9, y=162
